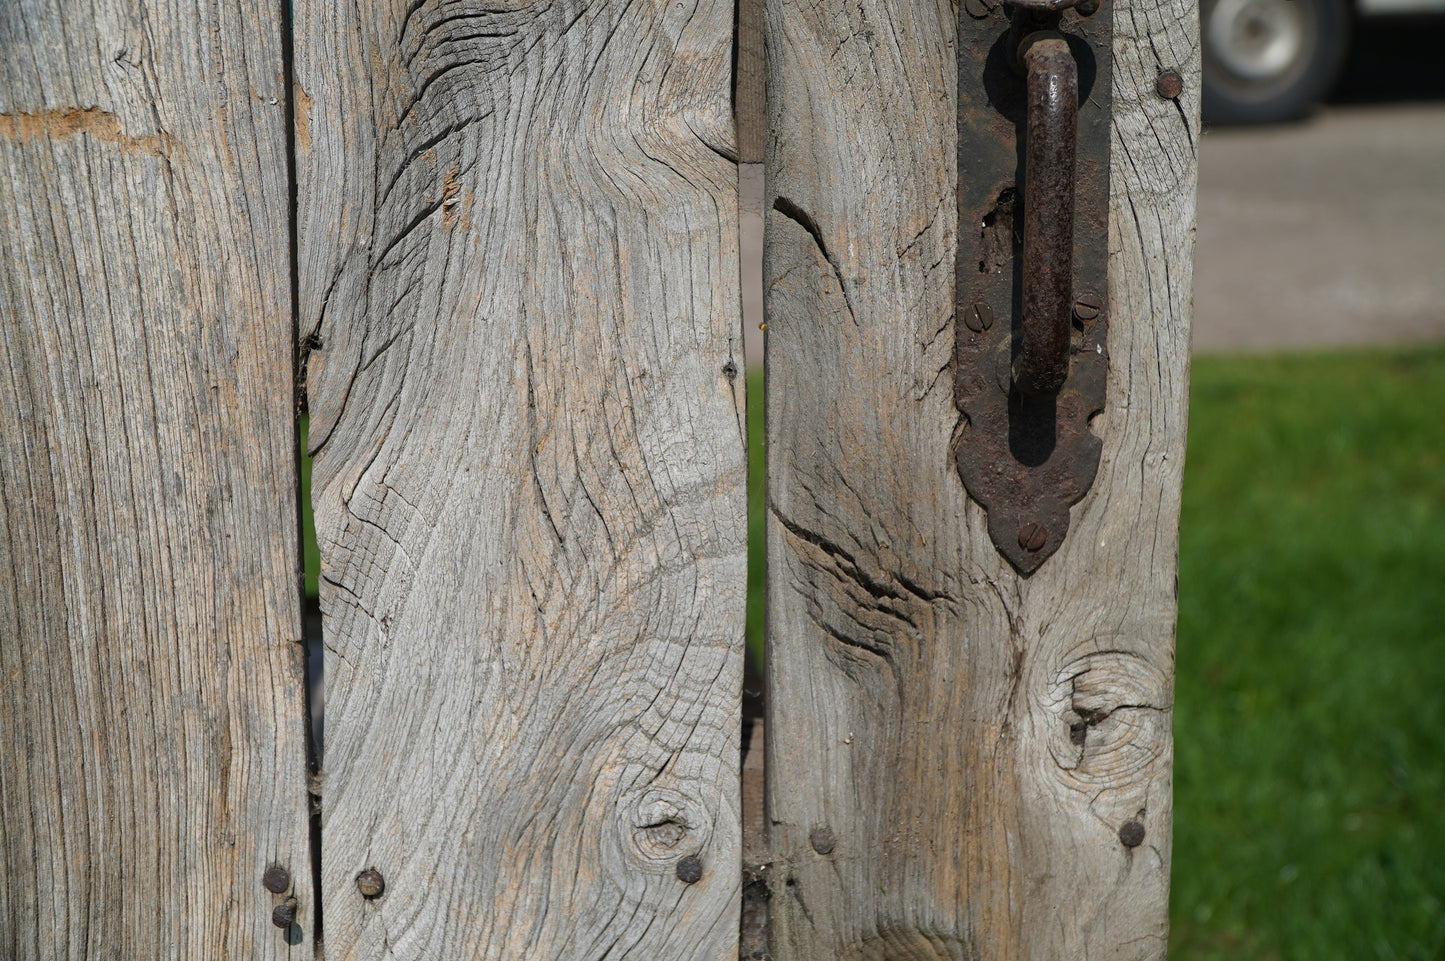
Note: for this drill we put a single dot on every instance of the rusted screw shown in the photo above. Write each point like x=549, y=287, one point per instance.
x=978, y=318
x=1087, y=305
x=276, y=879
x=1032, y=537
x=689, y=870
x=370, y=883
x=1131, y=835
x=284, y=915
x=823, y=841
x=1169, y=85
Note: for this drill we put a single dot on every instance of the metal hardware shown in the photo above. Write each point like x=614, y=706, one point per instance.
x=276, y=879
x=284, y=914
x=1033, y=201
x=1169, y=85
x=370, y=883
x=689, y=869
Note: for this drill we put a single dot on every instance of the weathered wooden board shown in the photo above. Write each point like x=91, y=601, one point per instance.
x=749, y=100
x=964, y=744
x=518, y=266
x=152, y=726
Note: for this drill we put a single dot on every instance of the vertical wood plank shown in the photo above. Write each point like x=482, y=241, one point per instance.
x=152, y=732
x=518, y=260
x=973, y=743
x=749, y=100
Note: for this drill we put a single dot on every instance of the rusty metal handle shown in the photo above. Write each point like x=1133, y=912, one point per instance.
x=1048, y=203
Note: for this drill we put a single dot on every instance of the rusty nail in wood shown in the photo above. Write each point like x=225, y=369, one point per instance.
x=1087, y=305
x=276, y=879
x=978, y=318
x=1131, y=835
x=1169, y=85
x=284, y=915
x=370, y=883
x=823, y=841
x=689, y=869
x=1032, y=537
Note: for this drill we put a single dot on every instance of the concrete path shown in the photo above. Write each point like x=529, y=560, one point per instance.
x=1325, y=233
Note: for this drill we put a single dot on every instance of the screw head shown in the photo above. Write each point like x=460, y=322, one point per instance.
x=284, y=915
x=689, y=869
x=1087, y=305
x=1032, y=537
x=1131, y=834
x=370, y=883
x=1169, y=85
x=276, y=879
x=978, y=318
x=823, y=841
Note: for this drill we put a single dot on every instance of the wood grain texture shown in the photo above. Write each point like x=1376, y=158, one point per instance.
x=749, y=99
x=974, y=741
x=518, y=255
x=152, y=731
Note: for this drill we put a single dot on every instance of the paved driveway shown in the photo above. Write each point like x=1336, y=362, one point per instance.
x=1325, y=233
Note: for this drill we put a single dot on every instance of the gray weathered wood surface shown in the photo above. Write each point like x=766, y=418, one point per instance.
x=152, y=733
x=974, y=741
x=518, y=258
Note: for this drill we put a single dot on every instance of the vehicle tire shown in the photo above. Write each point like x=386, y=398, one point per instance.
x=1269, y=60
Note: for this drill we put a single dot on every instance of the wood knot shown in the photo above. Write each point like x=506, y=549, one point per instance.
x=661, y=825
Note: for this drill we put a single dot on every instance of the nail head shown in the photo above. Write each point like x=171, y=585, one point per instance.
x=689, y=869
x=370, y=883
x=1131, y=835
x=284, y=915
x=823, y=841
x=1169, y=85
x=276, y=879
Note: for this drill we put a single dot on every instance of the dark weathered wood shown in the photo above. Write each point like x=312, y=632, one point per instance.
x=152, y=734
x=518, y=255
x=749, y=101
x=982, y=748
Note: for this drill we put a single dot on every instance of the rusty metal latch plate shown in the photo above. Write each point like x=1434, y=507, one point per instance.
x=1026, y=453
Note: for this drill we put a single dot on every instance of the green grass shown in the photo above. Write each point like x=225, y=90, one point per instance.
x=1310, y=702
x=310, y=555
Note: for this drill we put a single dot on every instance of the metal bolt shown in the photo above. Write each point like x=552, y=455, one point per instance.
x=370, y=883
x=823, y=841
x=689, y=870
x=284, y=915
x=1087, y=305
x=978, y=318
x=1131, y=835
x=1169, y=85
x=1032, y=537
x=276, y=879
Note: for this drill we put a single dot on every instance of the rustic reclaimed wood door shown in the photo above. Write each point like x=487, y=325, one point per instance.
x=492, y=250
x=964, y=762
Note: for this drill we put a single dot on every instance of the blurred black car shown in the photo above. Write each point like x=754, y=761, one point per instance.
x=1270, y=60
